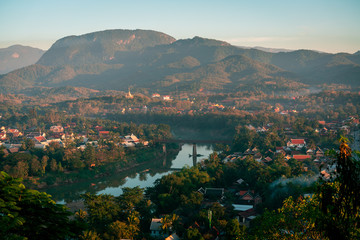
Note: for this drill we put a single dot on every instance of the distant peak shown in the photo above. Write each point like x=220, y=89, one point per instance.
x=196, y=41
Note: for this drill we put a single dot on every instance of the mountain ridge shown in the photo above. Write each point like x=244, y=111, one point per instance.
x=18, y=56
x=117, y=59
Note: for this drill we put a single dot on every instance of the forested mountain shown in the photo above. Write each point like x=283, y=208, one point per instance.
x=100, y=47
x=18, y=56
x=117, y=59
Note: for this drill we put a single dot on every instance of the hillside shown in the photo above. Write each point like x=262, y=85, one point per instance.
x=117, y=59
x=234, y=73
x=99, y=47
x=17, y=56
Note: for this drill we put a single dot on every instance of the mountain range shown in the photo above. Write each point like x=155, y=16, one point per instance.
x=118, y=59
x=17, y=56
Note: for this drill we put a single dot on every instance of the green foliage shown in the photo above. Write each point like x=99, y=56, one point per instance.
x=339, y=199
x=234, y=231
x=30, y=214
x=102, y=210
x=193, y=234
x=332, y=213
x=167, y=191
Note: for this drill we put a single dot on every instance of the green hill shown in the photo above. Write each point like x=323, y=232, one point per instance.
x=117, y=59
x=99, y=47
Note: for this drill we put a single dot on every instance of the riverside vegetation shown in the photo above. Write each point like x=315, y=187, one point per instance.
x=177, y=198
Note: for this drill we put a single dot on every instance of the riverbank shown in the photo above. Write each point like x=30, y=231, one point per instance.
x=143, y=176
x=138, y=159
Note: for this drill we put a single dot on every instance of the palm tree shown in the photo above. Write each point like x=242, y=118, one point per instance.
x=167, y=222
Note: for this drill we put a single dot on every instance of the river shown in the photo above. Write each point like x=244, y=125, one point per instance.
x=143, y=176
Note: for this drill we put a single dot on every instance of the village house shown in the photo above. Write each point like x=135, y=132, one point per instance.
x=167, y=98
x=31, y=135
x=13, y=132
x=319, y=153
x=104, y=134
x=248, y=197
x=132, y=141
x=245, y=217
x=155, y=227
x=212, y=194
x=301, y=157
x=2, y=135
x=56, y=129
x=296, y=143
x=266, y=160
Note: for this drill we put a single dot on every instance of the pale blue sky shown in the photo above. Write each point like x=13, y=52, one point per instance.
x=324, y=25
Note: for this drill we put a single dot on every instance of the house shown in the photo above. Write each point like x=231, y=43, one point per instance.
x=249, y=197
x=296, y=143
x=155, y=95
x=39, y=139
x=104, y=133
x=240, y=181
x=214, y=193
x=130, y=141
x=310, y=151
x=14, y=133
x=250, y=127
x=2, y=135
x=258, y=157
x=155, y=227
x=324, y=175
x=242, y=207
x=173, y=236
x=31, y=135
x=321, y=122
x=301, y=157
x=266, y=160
x=280, y=150
x=14, y=150
x=56, y=140
x=98, y=128
x=166, y=98
x=319, y=153
x=56, y=129
x=245, y=217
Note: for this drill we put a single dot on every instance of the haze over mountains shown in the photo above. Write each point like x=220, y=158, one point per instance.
x=117, y=59
x=17, y=56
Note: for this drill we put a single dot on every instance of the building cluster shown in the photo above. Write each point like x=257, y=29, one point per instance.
x=13, y=139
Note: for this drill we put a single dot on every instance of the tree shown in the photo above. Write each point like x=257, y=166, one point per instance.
x=332, y=213
x=294, y=220
x=53, y=165
x=234, y=231
x=118, y=230
x=339, y=197
x=35, y=166
x=102, y=210
x=193, y=234
x=89, y=235
x=168, y=221
x=31, y=214
x=21, y=170
x=44, y=162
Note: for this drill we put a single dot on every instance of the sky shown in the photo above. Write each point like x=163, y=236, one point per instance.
x=325, y=25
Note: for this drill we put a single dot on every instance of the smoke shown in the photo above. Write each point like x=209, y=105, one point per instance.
x=283, y=188
x=304, y=181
